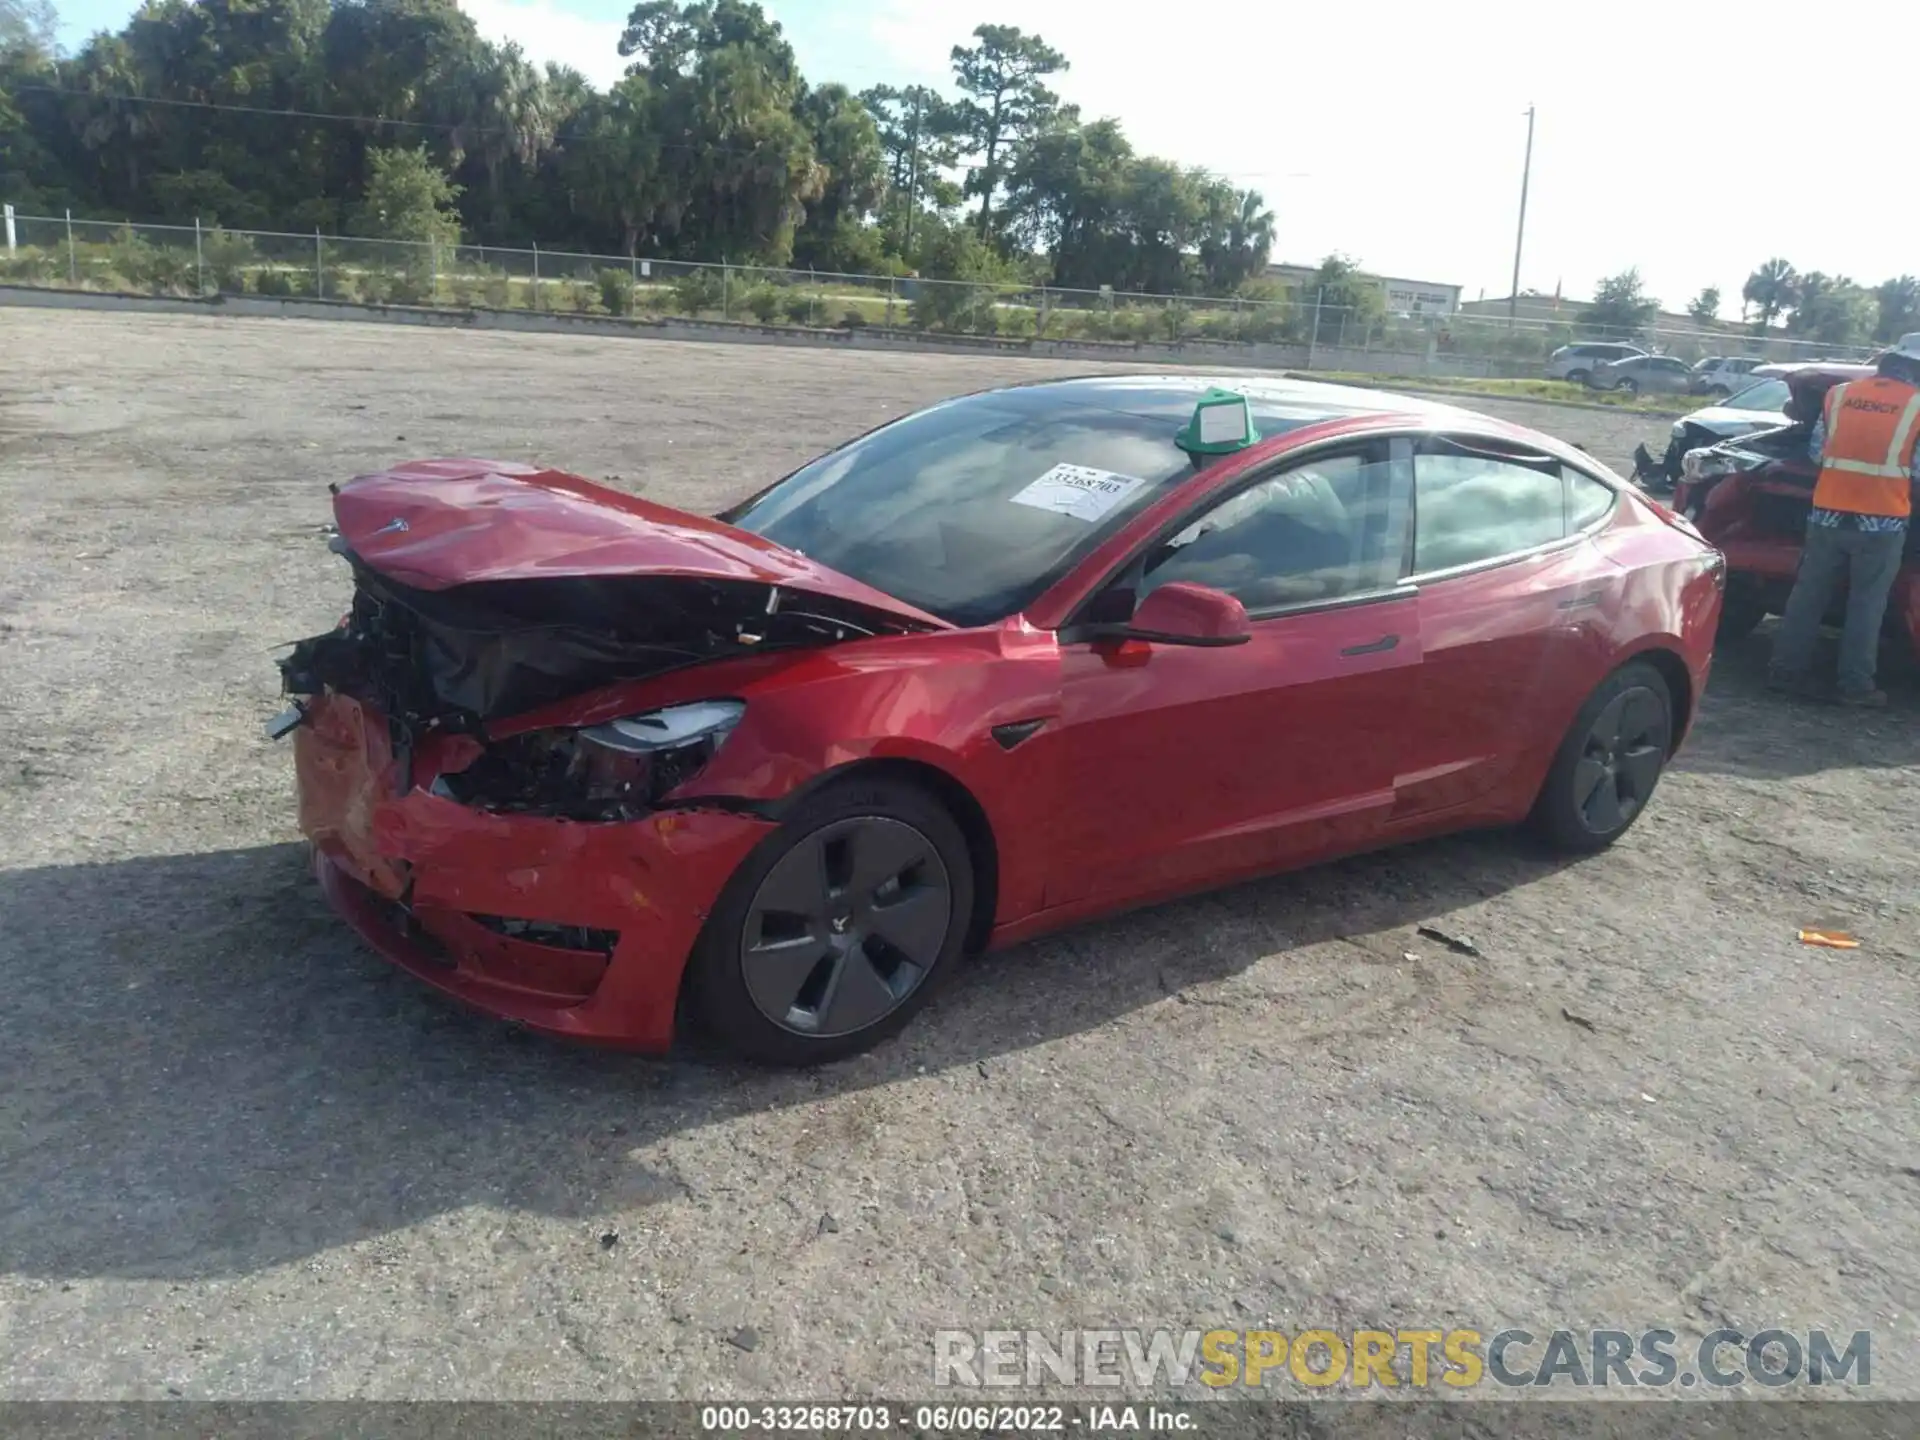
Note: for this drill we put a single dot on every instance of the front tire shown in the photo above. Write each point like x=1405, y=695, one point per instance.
x=1627, y=387
x=1606, y=769
x=837, y=928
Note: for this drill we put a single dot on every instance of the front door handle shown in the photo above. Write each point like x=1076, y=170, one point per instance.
x=1378, y=647
x=1582, y=602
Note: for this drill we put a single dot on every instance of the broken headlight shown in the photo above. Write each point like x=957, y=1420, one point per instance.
x=619, y=770
x=1712, y=463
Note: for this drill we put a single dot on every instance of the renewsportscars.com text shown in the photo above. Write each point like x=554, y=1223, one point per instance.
x=1458, y=1359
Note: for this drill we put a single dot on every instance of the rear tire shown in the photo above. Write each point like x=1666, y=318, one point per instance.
x=837, y=928
x=1627, y=386
x=1741, y=611
x=1606, y=769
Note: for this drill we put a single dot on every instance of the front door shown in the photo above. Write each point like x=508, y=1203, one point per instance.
x=1186, y=767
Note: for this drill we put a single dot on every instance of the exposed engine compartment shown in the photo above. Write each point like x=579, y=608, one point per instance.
x=460, y=657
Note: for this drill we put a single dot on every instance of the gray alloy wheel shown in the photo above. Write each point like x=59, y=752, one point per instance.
x=846, y=926
x=1621, y=760
x=1609, y=761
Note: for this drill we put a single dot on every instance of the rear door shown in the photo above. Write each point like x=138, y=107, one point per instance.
x=1188, y=766
x=1510, y=594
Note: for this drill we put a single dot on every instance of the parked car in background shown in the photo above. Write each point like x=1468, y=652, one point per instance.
x=1723, y=374
x=1575, y=363
x=1749, y=496
x=1652, y=374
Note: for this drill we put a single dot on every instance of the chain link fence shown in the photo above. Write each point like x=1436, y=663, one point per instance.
x=177, y=260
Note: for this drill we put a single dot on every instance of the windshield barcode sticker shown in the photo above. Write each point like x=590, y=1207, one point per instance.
x=1078, y=490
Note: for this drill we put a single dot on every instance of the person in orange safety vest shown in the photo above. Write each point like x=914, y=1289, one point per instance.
x=1867, y=445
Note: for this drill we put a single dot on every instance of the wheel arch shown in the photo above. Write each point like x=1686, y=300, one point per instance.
x=968, y=813
x=1673, y=669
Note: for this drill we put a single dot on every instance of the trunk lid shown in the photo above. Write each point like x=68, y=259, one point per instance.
x=484, y=589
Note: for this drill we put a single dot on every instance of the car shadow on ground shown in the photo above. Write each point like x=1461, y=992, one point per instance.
x=202, y=1074
x=1748, y=731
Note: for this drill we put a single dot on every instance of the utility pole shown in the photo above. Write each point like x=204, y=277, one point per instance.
x=1526, y=174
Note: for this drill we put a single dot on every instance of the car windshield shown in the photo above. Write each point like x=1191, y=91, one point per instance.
x=1768, y=395
x=972, y=508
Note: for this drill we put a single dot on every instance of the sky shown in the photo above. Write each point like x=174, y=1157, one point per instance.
x=1396, y=132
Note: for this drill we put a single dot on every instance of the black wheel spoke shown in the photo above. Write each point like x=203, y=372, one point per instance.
x=881, y=857
x=778, y=973
x=1602, y=807
x=856, y=997
x=913, y=922
x=798, y=884
x=1640, y=768
x=1588, y=776
x=1642, y=719
x=1606, y=726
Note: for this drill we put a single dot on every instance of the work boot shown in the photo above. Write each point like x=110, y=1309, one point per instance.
x=1796, y=683
x=1864, y=699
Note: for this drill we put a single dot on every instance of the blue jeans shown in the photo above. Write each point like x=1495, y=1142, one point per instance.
x=1867, y=564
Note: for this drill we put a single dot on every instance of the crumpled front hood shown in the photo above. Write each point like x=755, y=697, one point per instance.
x=437, y=524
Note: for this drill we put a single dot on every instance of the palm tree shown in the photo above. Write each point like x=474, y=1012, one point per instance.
x=503, y=115
x=111, y=119
x=1771, y=290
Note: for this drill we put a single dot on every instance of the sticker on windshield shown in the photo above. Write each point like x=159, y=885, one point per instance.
x=1078, y=490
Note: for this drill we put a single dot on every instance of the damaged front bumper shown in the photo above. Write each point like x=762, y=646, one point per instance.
x=577, y=929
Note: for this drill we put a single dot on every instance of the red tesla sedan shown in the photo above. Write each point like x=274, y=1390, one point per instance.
x=1018, y=659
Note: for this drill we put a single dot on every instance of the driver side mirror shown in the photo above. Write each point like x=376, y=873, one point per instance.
x=1183, y=613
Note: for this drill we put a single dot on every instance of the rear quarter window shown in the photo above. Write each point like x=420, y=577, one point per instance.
x=1587, y=501
x=1471, y=508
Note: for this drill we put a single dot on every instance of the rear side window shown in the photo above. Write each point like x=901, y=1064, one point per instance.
x=1587, y=501
x=1470, y=508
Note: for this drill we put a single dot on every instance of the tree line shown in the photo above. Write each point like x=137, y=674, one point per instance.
x=1810, y=305
x=395, y=117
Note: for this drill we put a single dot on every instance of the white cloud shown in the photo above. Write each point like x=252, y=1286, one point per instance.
x=547, y=32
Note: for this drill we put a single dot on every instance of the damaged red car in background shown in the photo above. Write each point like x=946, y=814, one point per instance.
x=1750, y=496
x=1028, y=656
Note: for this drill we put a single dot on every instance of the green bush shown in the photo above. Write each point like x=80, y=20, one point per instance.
x=852, y=318
x=496, y=287
x=763, y=303
x=156, y=269
x=279, y=280
x=950, y=305
x=462, y=289
x=412, y=286
x=803, y=307
x=580, y=297
x=30, y=266
x=698, y=291
x=1019, y=323
x=228, y=257
x=616, y=291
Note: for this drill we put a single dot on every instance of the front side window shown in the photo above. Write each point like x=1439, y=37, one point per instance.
x=1317, y=531
x=1471, y=507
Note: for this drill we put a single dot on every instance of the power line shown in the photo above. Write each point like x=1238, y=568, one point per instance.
x=292, y=114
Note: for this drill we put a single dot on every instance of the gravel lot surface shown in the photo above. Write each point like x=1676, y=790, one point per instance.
x=240, y=1156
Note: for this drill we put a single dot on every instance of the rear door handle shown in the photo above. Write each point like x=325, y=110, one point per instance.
x=1378, y=647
